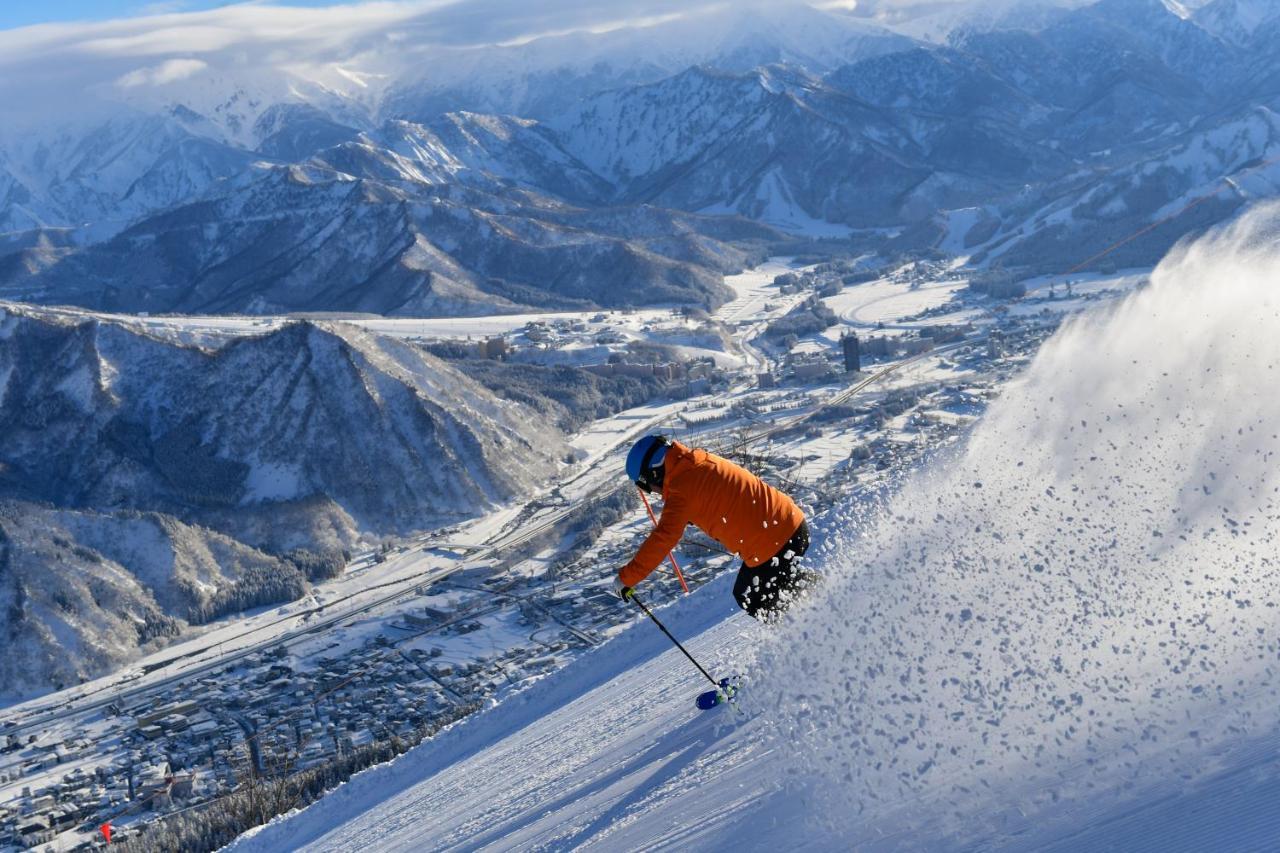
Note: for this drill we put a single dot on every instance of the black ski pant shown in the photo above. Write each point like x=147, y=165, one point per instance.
x=767, y=590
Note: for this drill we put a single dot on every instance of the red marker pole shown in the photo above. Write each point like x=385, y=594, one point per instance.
x=671, y=557
x=105, y=829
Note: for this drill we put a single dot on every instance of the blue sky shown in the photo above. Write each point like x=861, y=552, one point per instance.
x=24, y=12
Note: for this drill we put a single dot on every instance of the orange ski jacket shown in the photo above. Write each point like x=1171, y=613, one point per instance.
x=730, y=504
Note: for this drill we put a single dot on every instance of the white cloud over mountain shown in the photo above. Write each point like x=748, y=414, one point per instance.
x=168, y=71
x=45, y=68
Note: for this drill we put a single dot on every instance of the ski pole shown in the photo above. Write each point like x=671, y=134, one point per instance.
x=670, y=556
x=649, y=613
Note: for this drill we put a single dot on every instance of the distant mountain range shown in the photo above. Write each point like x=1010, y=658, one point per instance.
x=650, y=160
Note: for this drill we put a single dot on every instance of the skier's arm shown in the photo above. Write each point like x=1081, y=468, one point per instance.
x=660, y=542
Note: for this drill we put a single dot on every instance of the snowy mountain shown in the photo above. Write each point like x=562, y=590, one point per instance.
x=124, y=452
x=895, y=138
x=1206, y=177
x=489, y=152
x=403, y=239
x=1239, y=22
x=110, y=174
x=347, y=429
x=85, y=592
x=413, y=177
x=946, y=21
x=785, y=148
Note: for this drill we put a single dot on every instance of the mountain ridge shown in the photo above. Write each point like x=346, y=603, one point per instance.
x=459, y=210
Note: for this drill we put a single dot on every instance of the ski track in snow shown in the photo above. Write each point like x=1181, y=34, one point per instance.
x=1060, y=638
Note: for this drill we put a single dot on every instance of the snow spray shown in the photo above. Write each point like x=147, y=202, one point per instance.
x=1081, y=602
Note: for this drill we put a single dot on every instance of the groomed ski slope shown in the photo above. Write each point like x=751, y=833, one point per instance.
x=1063, y=636
x=608, y=753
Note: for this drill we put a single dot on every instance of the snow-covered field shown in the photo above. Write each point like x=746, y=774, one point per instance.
x=1058, y=639
x=887, y=301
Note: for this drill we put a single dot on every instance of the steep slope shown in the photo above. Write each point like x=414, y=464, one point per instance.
x=609, y=754
x=586, y=759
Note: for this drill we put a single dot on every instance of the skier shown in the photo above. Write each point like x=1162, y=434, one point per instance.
x=731, y=505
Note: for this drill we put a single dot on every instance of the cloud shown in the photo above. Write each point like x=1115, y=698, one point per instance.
x=50, y=71
x=78, y=72
x=198, y=39
x=166, y=72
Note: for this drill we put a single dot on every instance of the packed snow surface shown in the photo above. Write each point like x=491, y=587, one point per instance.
x=1062, y=637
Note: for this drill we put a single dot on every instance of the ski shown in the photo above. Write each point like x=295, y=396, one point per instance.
x=726, y=694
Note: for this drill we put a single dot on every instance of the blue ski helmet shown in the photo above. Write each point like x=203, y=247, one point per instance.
x=647, y=453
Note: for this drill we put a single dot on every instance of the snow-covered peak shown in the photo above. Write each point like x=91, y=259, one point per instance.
x=628, y=133
x=1177, y=8
x=230, y=106
x=744, y=37
x=1139, y=11
x=1237, y=21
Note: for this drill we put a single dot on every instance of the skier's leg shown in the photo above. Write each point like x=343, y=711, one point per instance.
x=756, y=589
x=790, y=579
x=766, y=590
x=748, y=591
